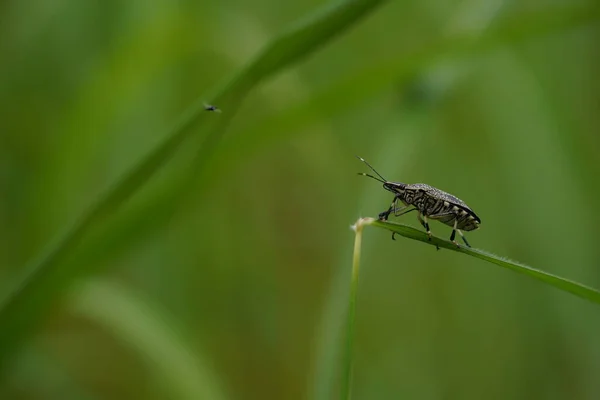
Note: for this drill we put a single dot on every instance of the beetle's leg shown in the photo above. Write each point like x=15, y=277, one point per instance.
x=463, y=238
x=399, y=211
x=425, y=224
x=453, y=235
x=397, y=214
x=383, y=216
x=423, y=221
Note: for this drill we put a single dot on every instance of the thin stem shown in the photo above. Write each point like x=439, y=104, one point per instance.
x=348, y=359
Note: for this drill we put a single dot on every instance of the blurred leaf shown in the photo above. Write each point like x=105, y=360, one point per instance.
x=357, y=87
x=575, y=288
x=137, y=323
x=47, y=276
x=349, y=91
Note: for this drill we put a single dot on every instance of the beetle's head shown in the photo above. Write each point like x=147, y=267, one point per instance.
x=394, y=187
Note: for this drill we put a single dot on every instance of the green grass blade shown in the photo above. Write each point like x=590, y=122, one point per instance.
x=46, y=277
x=558, y=282
x=137, y=323
x=346, y=389
x=355, y=87
x=306, y=36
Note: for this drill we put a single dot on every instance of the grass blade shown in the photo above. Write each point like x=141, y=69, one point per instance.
x=138, y=323
x=566, y=285
x=355, y=87
x=558, y=282
x=346, y=392
x=46, y=277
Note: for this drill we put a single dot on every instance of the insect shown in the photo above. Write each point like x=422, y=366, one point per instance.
x=430, y=203
x=209, y=107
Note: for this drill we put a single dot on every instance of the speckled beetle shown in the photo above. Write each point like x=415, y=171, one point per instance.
x=430, y=203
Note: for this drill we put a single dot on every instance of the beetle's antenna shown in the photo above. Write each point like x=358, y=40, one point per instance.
x=372, y=169
x=371, y=176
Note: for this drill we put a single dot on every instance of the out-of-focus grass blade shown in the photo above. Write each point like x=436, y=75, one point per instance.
x=47, y=276
x=358, y=86
x=133, y=321
x=348, y=91
x=567, y=285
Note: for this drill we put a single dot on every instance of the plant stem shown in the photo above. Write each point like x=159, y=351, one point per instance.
x=348, y=359
x=561, y=283
x=412, y=233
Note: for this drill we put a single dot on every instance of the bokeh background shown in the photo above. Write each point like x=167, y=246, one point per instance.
x=231, y=281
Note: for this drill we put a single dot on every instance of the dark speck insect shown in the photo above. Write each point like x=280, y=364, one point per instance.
x=430, y=203
x=209, y=107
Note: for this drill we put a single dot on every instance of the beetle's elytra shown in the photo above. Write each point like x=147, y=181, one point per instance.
x=430, y=203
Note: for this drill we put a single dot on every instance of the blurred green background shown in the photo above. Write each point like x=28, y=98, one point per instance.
x=231, y=281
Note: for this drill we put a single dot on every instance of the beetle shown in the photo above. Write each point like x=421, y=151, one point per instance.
x=430, y=203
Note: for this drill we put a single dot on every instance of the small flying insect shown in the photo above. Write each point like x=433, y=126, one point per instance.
x=209, y=107
x=430, y=203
